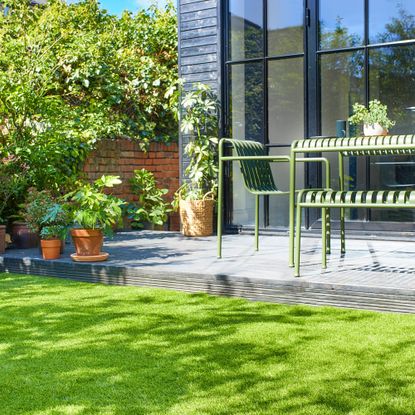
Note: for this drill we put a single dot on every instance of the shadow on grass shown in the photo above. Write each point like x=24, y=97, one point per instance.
x=72, y=348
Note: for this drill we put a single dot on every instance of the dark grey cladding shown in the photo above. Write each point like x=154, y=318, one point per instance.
x=199, y=49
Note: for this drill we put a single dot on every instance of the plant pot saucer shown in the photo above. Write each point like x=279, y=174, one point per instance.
x=103, y=256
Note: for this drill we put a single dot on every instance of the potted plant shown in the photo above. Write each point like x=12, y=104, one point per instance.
x=196, y=197
x=151, y=208
x=375, y=118
x=29, y=224
x=51, y=237
x=95, y=213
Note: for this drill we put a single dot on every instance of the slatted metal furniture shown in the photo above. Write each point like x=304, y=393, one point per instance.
x=342, y=199
x=257, y=176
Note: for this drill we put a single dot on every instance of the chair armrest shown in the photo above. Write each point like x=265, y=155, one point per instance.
x=285, y=159
x=318, y=160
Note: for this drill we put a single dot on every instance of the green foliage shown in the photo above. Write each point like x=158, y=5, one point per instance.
x=53, y=232
x=73, y=74
x=12, y=187
x=377, y=113
x=200, y=120
x=151, y=207
x=56, y=214
x=37, y=207
x=91, y=208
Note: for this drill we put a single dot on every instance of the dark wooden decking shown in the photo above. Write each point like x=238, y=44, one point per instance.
x=375, y=275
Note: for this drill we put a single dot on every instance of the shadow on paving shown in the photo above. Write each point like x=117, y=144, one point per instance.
x=112, y=350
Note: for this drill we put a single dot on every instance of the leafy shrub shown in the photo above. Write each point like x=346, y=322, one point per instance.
x=151, y=207
x=38, y=204
x=53, y=232
x=13, y=184
x=71, y=74
x=92, y=208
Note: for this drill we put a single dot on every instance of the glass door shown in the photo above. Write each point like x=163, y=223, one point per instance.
x=293, y=68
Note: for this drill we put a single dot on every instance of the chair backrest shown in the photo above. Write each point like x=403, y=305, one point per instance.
x=257, y=174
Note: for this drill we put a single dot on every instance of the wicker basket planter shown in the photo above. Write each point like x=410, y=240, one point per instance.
x=196, y=217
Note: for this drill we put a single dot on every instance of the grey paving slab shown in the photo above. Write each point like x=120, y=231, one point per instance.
x=367, y=264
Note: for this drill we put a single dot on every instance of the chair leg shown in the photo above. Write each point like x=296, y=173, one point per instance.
x=256, y=222
x=324, y=238
x=342, y=232
x=297, y=242
x=220, y=210
x=328, y=226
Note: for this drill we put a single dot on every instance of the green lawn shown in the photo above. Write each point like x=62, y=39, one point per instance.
x=73, y=348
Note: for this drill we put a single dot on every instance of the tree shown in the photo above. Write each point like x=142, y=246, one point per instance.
x=71, y=75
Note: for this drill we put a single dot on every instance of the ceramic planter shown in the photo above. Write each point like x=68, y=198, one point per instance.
x=22, y=237
x=374, y=129
x=2, y=239
x=88, y=242
x=51, y=248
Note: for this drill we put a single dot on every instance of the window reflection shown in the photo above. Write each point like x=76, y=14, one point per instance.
x=246, y=101
x=286, y=100
x=246, y=122
x=245, y=29
x=391, y=20
x=285, y=27
x=341, y=24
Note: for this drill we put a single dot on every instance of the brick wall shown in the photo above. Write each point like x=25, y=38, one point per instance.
x=121, y=157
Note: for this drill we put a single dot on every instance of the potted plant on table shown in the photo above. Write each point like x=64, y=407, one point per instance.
x=151, y=208
x=196, y=197
x=95, y=213
x=375, y=119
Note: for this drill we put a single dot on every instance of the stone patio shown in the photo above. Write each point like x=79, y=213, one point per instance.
x=377, y=275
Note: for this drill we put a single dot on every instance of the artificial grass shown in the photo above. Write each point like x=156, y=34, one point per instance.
x=74, y=348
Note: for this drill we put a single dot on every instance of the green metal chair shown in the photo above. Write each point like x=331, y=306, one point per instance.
x=257, y=175
x=258, y=180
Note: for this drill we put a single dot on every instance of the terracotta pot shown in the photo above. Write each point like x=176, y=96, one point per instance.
x=22, y=237
x=51, y=248
x=2, y=239
x=374, y=129
x=88, y=242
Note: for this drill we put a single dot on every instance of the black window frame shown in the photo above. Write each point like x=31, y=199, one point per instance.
x=312, y=88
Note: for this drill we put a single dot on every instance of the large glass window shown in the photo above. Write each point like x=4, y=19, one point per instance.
x=294, y=68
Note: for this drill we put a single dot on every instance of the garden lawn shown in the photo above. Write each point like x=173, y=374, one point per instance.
x=75, y=348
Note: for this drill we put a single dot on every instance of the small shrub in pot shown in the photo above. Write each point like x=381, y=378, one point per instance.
x=94, y=213
x=51, y=241
x=375, y=118
x=196, y=197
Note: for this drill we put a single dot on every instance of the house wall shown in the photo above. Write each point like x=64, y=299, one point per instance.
x=121, y=157
x=199, y=50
